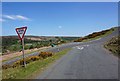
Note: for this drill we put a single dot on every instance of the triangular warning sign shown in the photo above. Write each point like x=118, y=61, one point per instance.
x=21, y=32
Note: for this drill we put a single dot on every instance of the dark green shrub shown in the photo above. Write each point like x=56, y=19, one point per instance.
x=31, y=47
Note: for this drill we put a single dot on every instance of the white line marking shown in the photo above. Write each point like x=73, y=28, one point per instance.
x=78, y=47
x=82, y=48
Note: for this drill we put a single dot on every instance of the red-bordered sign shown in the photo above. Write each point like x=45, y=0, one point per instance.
x=21, y=32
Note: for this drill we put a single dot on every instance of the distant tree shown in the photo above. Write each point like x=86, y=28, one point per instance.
x=31, y=47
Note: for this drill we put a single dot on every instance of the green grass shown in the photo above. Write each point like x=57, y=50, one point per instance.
x=109, y=32
x=32, y=68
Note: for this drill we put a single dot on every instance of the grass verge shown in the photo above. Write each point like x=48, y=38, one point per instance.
x=113, y=45
x=113, y=49
x=32, y=68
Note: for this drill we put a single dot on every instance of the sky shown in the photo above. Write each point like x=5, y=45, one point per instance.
x=60, y=0
x=58, y=18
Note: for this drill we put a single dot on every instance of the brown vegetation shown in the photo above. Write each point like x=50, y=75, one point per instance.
x=113, y=45
x=42, y=55
x=93, y=35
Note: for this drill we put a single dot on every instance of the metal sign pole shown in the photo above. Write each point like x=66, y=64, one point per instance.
x=21, y=32
x=23, y=52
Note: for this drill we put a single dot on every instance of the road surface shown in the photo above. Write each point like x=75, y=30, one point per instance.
x=88, y=60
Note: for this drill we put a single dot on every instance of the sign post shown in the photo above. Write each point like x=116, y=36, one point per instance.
x=23, y=53
x=21, y=32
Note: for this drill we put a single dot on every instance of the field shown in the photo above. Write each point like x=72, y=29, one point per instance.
x=11, y=44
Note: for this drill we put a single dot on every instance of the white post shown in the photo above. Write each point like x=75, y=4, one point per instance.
x=23, y=52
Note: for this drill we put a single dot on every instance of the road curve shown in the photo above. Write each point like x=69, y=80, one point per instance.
x=88, y=60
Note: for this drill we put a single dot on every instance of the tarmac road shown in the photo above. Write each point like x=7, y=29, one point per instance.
x=83, y=62
x=88, y=60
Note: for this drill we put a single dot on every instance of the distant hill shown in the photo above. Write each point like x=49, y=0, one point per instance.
x=95, y=35
x=12, y=43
